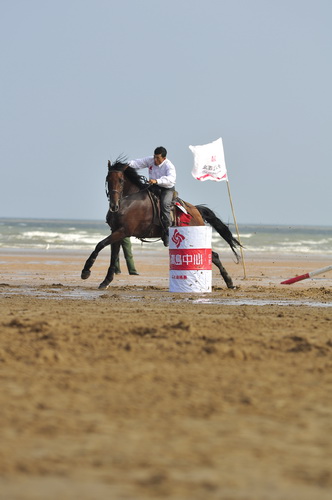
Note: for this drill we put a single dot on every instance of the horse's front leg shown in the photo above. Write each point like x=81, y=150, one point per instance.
x=216, y=261
x=89, y=263
x=115, y=249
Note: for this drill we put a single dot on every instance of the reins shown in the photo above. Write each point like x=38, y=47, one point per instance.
x=144, y=188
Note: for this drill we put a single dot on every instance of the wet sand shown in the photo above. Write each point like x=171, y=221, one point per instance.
x=136, y=392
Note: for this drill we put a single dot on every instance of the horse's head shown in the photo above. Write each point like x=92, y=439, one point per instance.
x=115, y=184
x=122, y=180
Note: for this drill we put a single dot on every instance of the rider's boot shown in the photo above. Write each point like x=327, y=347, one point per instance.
x=165, y=238
x=165, y=235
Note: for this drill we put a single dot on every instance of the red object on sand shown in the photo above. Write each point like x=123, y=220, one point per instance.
x=306, y=275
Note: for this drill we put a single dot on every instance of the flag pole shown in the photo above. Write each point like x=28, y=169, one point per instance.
x=237, y=229
x=209, y=163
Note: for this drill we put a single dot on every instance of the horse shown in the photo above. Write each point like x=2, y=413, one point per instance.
x=133, y=211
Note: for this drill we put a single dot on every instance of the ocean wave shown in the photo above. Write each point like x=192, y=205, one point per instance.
x=86, y=234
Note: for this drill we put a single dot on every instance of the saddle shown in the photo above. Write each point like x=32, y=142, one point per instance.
x=179, y=214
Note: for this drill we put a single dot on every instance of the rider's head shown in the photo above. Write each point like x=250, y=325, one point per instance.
x=160, y=154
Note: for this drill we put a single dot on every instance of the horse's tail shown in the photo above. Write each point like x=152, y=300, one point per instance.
x=210, y=217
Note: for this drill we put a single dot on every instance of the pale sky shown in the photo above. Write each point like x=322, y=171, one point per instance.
x=84, y=81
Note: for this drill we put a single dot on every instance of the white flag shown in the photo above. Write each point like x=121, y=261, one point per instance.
x=209, y=162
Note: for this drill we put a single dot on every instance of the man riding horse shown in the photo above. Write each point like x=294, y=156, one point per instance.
x=131, y=211
x=162, y=173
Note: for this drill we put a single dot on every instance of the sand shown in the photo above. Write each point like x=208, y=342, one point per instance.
x=139, y=393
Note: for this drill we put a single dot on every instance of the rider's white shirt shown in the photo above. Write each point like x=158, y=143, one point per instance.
x=164, y=173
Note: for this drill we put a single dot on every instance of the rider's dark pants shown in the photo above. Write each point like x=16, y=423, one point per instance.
x=166, y=198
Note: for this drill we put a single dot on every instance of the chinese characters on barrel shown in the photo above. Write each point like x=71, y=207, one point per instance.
x=180, y=259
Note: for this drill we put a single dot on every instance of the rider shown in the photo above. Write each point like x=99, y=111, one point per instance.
x=162, y=173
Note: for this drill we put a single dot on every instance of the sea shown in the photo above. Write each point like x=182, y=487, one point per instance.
x=257, y=239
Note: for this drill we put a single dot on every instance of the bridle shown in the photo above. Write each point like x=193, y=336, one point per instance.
x=119, y=192
x=109, y=192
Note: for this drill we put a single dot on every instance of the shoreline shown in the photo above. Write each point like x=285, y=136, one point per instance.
x=33, y=266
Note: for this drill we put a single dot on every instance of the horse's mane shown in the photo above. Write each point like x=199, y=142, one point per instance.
x=121, y=165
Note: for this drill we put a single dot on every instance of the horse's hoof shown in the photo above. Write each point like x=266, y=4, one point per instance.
x=103, y=285
x=231, y=287
x=85, y=274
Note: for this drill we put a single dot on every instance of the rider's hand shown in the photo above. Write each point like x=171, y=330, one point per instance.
x=152, y=181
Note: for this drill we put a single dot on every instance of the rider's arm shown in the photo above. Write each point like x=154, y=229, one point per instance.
x=141, y=162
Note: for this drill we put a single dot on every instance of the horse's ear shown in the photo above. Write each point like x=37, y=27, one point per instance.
x=109, y=164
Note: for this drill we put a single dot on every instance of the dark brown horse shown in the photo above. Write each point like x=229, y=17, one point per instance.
x=133, y=212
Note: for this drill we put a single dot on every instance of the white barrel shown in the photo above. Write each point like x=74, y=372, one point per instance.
x=190, y=259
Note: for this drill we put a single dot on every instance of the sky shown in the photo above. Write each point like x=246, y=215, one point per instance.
x=85, y=81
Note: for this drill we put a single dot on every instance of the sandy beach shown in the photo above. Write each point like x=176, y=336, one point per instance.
x=134, y=392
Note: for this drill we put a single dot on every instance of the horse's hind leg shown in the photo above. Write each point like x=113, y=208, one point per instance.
x=223, y=272
x=115, y=248
x=90, y=261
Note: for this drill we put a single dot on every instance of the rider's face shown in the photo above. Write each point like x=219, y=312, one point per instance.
x=158, y=159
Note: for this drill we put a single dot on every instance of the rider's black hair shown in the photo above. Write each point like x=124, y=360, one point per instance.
x=160, y=150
